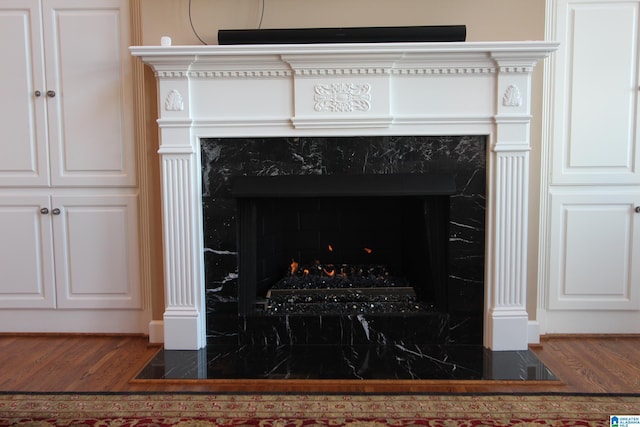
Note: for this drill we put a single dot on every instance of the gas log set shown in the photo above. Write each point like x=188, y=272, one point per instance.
x=342, y=289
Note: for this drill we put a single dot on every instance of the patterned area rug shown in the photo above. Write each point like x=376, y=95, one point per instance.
x=293, y=410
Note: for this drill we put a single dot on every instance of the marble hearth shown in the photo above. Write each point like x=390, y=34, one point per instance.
x=347, y=90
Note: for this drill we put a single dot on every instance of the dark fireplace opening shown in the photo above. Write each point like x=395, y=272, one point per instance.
x=343, y=244
x=406, y=209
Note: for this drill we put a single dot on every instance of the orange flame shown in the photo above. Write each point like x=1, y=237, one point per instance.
x=368, y=250
x=294, y=266
x=306, y=272
x=330, y=248
x=329, y=273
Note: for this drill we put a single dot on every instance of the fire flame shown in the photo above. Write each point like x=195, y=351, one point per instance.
x=329, y=273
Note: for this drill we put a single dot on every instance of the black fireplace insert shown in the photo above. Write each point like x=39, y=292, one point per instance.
x=343, y=244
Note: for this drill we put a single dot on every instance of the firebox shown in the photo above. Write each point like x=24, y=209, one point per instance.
x=343, y=244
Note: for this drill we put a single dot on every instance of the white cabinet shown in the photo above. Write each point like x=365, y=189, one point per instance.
x=68, y=195
x=81, y=252
x=66, y=112
x=589, y=278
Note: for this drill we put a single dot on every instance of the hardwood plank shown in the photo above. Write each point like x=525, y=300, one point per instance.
x=71, y=362
x=594, y=364
x=584, y=364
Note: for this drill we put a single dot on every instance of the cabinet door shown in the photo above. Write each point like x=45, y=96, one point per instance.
x=595, y=98
x=26, y=253
x=594, y=247
x=23, y=146
x=96, y=250
x=88, y=73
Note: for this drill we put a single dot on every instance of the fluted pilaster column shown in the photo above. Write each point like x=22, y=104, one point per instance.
x=185, y=313
x=506, y=317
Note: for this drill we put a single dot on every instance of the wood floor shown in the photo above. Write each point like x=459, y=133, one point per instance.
x=584, y=364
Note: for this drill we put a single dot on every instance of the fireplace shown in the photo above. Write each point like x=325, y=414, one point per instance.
x=347, y=90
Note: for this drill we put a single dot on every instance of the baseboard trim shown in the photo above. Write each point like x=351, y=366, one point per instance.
x=533, y=332
x=156, y=332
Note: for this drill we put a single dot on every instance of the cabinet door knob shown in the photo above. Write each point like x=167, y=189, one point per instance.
x=51, y=93
x=37, y=93
x=44, y=211
x=56, y=211
x=637, y=209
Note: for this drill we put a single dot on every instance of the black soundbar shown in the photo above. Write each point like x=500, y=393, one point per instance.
x=429, y=33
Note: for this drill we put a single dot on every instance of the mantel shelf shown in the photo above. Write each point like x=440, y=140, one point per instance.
x=533, y=49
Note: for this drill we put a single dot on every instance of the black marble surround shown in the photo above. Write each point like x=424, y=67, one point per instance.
x=463, y=157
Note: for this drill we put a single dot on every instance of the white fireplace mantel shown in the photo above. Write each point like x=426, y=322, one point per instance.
x=346, y=90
